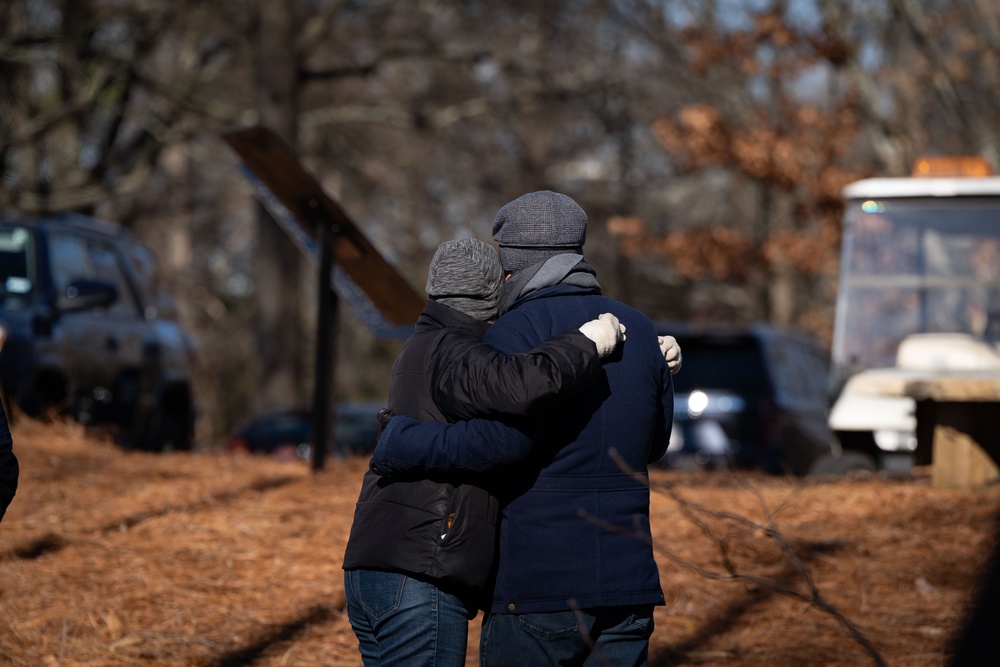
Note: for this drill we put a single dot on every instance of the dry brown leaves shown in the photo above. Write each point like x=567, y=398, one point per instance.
x=114, y=558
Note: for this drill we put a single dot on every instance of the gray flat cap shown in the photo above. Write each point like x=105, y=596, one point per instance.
x=536, y=226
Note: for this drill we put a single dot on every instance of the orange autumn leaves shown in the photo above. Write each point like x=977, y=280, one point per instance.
x=801, y=164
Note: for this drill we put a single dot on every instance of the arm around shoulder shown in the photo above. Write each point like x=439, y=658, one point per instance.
x=478, y=446
x=482, y=382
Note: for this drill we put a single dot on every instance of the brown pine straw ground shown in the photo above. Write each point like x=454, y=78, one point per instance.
x=116, y=558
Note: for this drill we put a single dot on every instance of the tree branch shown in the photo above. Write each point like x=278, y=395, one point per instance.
x=770, y=529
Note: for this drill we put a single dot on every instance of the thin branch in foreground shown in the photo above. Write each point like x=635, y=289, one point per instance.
x=697, y=514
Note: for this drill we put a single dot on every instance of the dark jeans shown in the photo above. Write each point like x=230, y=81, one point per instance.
x=604, y=637
x=403, y=621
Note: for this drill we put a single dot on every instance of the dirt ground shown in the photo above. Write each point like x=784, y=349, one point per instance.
x=115, y=558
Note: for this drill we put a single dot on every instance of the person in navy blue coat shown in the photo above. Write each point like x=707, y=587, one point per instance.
x=576, y=580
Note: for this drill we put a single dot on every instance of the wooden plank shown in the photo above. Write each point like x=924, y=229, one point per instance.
x=273, y=163
x=967, y=386
x=961, y=460
x=958, y=410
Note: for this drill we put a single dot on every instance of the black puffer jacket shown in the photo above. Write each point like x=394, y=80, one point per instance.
x=8, y=465
x=432, y=529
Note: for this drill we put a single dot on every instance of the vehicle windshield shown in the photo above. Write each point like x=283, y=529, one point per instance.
x=17, y=267
x=915, y=266
x=727, y=363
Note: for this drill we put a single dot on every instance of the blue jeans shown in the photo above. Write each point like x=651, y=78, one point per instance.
x=403, y=621
x=599, y=637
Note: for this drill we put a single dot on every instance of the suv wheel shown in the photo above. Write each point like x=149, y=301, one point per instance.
x=45, y=398
x=168, y=426
x=174, y=433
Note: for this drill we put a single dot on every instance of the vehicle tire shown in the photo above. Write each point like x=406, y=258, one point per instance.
x=164, y=430
x=174, y=432
x=44, y=398
x=168, y=425
x=853, y=465
x=142, y=432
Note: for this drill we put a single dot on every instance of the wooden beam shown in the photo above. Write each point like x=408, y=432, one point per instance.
x=274, y=164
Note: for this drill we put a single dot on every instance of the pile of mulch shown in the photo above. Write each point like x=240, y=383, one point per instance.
x=120, y=558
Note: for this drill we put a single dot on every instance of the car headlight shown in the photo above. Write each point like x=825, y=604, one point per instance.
x=697, y=402
x=895, y=441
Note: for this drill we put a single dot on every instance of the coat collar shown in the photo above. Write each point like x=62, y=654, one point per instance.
x=437, y=315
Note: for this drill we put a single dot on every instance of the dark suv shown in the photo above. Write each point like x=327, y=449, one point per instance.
x=87, y=331
x=749, y=397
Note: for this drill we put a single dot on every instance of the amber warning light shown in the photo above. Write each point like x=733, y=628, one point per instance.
x=952, y=166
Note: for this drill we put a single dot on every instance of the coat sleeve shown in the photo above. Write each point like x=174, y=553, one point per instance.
x=8, y=465
x=665, y=419
x=479, y=381
x=477, y=446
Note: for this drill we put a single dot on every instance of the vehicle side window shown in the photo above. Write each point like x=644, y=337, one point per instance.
x=794, y=374
x=69, y=260
x=144, y=268
x=106, y=267
x=17, y=275
x=73, y=258
x=817, y=366
x=783, y=370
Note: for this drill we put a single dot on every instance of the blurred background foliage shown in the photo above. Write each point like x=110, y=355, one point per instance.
x=708, y=140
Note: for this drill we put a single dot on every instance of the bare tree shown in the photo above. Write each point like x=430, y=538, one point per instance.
x=281, y=377
x=708, y=141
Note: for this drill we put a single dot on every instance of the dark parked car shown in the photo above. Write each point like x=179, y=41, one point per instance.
x=749, y=397
x=87, y=331
x=287, y=434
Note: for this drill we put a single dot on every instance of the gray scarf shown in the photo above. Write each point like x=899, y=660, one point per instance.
x=561, y=269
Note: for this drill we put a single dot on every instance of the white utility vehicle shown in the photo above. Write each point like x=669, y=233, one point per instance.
x=919, y=290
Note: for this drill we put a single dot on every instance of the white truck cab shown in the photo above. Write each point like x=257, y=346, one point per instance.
x=919, y=290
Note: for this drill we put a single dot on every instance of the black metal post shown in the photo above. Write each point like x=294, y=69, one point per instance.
x=325, y=233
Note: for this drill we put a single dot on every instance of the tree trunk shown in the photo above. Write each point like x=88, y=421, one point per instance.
x=281, y=340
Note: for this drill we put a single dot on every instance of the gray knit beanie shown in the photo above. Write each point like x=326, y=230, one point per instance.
x=465, y=274
x=537, y=226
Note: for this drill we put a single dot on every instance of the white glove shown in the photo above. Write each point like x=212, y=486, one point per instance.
x=606, y=332
x=671, y=352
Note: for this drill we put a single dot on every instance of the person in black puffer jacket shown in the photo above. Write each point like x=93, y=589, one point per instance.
x=420, y=554
x=8, y=465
